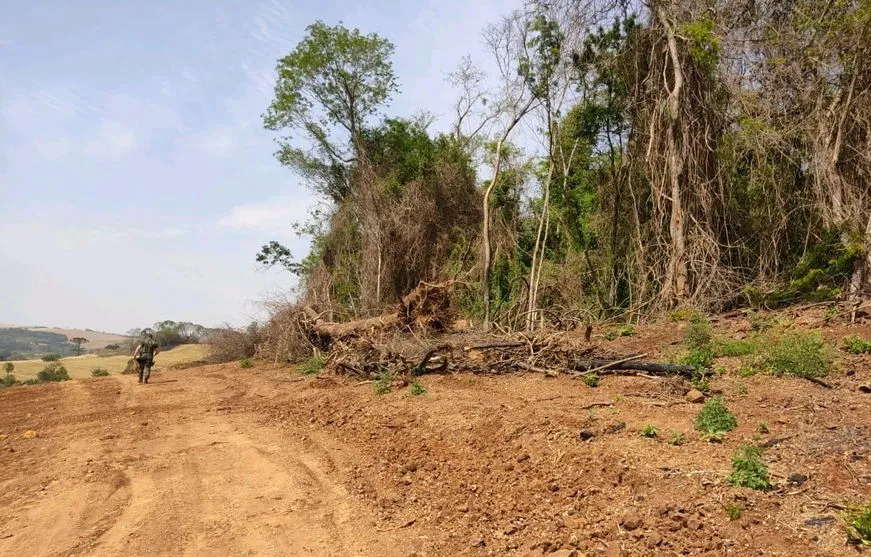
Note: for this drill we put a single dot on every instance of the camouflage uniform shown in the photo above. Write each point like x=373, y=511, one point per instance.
x=146, y=359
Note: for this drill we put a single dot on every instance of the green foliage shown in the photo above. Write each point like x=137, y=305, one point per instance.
x=245, y=363
x=31, y=381
x=698, y=335
x=857, y=345
x=51, y=357
x=747, y=371
x=735, y=348
x=313, y=365
x=858, y=522
x=676, y=438
x=715, y=419
x=703, y=44
x=733, y=511
x=748, y=470
x=701, y=382
x=700, y=359
x=417, y=388
x=591, y=380
x=113, y=347
x=8, y=367
x=8, y=380
x=649, y=432
x=99, y=372
x=17, y=343
x=762, y=428
x=335, y=78
x=797, y=354
x=53, y=372
x=627, y=330
x=384, y=383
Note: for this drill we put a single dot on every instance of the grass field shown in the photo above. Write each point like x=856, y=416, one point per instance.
x=80, y=367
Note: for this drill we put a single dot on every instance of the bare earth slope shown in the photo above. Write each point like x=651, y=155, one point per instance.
x=221, y=461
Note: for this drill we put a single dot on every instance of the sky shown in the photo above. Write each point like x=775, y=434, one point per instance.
x=136, y=180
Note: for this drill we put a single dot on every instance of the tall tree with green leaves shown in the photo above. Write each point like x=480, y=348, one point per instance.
x=328, y=87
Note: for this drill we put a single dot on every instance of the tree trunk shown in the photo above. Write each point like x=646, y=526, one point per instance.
x=486, y=232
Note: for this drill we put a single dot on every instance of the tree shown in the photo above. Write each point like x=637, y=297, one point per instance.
x=8, y=367
x=79, y=341
x=327, y=88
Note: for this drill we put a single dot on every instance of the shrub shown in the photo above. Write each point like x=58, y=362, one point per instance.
x=858, y=521
x=747, y=468
x=762, y=428
x=627, y=330
x=591, y=380
x=229, y=344
x=797, y=354
x=51, y=358
x=417, y=388
x=649, y=432
x=701, y=383
x=697, y=358
x=735, y=348
x=384, y=384
x=53, y=372
x=99, y=372
x=8, y=367
x=715, y=419
x=734, y=511
x=698, y=334
x=676, y=438
x=31, y=381
x=245, y=363
x=131, y=368
x=8, y=381
x=113, y=347
x=857, y=345
x=313, y=365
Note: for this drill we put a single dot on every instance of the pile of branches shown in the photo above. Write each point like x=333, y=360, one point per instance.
x=415, y=338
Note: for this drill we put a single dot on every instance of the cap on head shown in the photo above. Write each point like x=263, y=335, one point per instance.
x=149, y=335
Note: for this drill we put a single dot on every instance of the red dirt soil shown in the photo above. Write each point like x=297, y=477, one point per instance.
x=217, y=460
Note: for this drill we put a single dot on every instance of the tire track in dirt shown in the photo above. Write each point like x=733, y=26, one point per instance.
x=168, y=469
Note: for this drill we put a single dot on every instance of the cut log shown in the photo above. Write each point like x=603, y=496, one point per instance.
x=654, y=368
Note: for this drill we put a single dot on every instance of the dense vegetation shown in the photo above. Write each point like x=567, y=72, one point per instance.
x=22, y=344
x=706, y=154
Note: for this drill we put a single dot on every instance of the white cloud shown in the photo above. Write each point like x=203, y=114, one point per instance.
x=112, y=140
x=217, y=142
x=274, y=216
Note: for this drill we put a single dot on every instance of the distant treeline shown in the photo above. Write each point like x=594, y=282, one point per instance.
x=23, y=344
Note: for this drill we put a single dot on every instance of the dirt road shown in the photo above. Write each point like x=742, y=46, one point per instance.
x=166, y=469
x=222, y=461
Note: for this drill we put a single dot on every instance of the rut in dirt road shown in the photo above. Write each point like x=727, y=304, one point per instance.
x=167, y=469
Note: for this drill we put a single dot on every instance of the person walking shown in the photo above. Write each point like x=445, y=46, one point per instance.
x=144, y=356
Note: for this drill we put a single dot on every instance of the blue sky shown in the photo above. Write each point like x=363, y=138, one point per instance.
x=136, y=180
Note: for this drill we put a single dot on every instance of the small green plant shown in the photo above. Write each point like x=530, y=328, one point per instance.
x=384, y=384
x=735, y=348
x=417, y=388
x=676, y=438
x=701, y=383
x=8, y=381
x=627, y=330
x=857, y=345
x=742, y=388
x=51, y=358
x=714, y=419
x=762, y=428
x=858, y=521
x=697, y=358
x=831, y=313
x=698, y=335
x=53, y=372
x=747, y=371
x=313, y=365
x=245, y=363
x=610, y=335
x=760, y=323
x=734, y=511
x=797, y=354
x=649, y=432
x=748, y=470
x=591, y=380
x=684, y=314
x=99, y=372
x=31, y=381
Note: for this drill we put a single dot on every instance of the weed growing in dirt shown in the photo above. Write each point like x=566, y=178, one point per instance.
x=734, y=511
x=384, y=384
x=742, y=388
x=99, y=372
x=858, y=520
x=760, y=323
x=313, y=365
x=747, y=371
x=735, y=348
x=797, y=354
x=649, y=432
x=762, y=428
x=676, y=438
x=245, y=363
x=53, y=372
x=698, y=335
x=627, y=330
x=8, y=381
x=701, y=383
x=714, y=419
x=748, y=470
x=857, y=345
x=417, y=388
x=51, y=358
x=591, y=380
x=610, y=335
